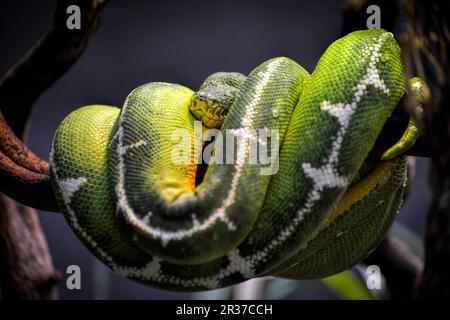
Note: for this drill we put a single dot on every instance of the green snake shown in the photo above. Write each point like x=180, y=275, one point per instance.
x=322, y=203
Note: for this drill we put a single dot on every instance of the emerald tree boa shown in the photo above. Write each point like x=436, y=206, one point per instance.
x=319, y=205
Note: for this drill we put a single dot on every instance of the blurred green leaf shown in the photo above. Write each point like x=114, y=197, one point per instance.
x=348, y=286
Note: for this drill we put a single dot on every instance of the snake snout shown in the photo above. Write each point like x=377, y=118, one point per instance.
x=209, y=112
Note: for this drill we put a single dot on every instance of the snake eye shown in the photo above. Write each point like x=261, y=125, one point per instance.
x=203, y=86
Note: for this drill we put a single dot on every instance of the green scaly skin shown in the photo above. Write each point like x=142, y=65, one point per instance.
x=325, y=208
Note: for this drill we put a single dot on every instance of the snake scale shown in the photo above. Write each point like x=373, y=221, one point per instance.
x=325, y=207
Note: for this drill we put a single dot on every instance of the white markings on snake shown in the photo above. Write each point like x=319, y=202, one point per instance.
x=124, y=149
x=70, y=186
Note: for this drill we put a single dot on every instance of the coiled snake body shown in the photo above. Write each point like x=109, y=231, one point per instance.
x=325, y=207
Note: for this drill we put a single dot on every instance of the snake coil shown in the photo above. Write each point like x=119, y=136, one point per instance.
x=328, y=204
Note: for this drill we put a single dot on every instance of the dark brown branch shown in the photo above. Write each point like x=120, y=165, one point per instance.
x=26, y=270
x=46, y=62
x=13, y=148
x=24, y=176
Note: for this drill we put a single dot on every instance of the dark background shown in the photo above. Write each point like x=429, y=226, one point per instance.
x=181, y=42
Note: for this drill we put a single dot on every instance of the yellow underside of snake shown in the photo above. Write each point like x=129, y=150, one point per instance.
x=291, y=187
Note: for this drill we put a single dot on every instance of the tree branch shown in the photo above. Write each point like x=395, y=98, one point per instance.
x=50, y=58
x=26, y=270
x=25, y=177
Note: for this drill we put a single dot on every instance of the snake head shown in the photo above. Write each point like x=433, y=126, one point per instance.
x=211, y=103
